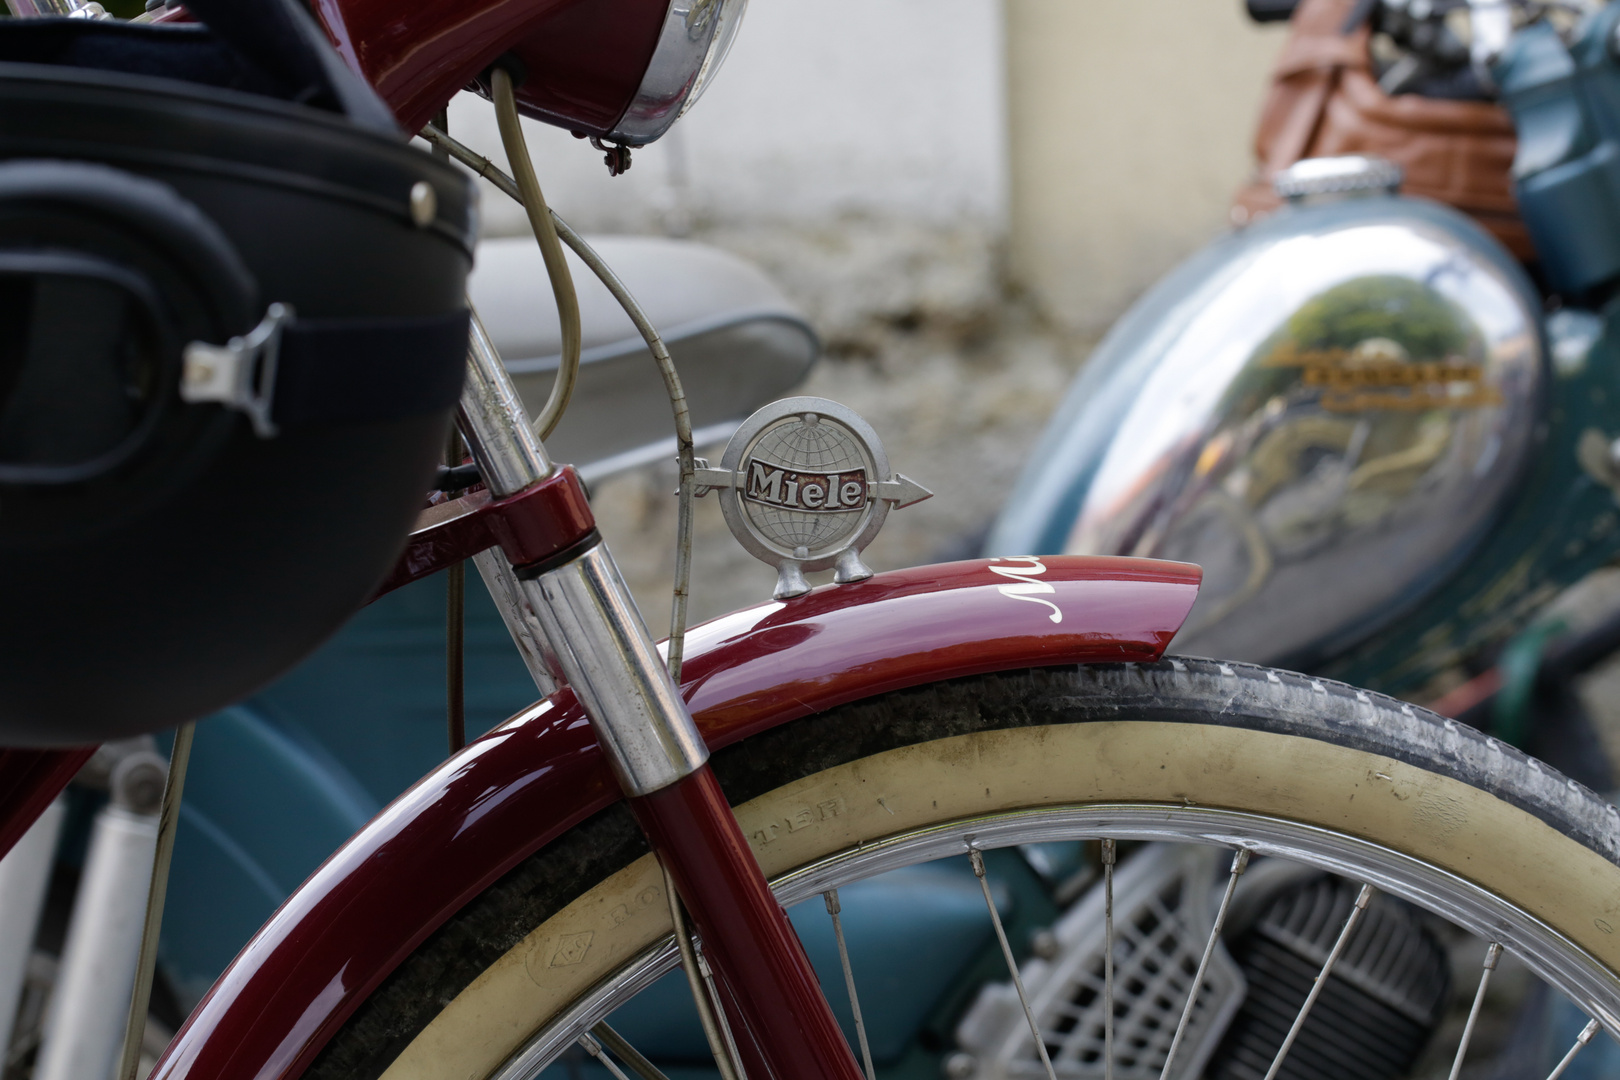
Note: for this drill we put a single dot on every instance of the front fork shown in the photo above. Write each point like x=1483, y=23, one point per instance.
x=572, y=617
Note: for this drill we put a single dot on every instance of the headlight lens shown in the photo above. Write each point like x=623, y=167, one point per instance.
x=729, y=18
x=693, y=44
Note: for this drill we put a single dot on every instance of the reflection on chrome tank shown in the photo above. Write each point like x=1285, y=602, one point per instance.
x=1325, y=412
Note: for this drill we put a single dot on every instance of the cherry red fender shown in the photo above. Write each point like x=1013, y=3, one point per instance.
x=508, y=793
x=29, y=780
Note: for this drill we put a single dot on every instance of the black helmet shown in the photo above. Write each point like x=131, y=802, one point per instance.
x=232, y=333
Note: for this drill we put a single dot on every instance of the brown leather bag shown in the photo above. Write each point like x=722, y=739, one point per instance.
x=1325, y=101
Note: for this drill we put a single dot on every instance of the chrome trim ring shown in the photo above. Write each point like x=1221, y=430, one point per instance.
x=679, y=63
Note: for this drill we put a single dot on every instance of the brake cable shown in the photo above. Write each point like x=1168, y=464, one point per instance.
x=483, y=167
x=545, y=233
x=710, y=1009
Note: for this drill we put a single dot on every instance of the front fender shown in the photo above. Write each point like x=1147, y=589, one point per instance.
x=505, y=795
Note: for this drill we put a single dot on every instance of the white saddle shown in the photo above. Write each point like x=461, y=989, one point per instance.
x=736, y=341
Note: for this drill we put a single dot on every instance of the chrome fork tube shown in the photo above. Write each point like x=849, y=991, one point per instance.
x=493, y=421
x=510, y=458
x=521, y=621
x=597, y=633
x=590, y=625
x=589, y=622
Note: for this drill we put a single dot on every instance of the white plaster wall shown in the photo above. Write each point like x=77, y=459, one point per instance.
x=1132, y=125
x=878, y=156
x=889, y=109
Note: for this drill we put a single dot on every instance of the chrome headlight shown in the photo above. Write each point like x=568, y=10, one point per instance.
x=694, y=41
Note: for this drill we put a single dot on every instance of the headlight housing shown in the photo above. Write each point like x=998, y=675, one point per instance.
x=694, y=41
x=622, y=70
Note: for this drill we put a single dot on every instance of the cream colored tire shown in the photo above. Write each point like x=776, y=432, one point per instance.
x=1184, y=749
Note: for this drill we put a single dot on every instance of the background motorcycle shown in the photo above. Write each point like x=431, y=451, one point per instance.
x=1360, y=511
x=1387, y=461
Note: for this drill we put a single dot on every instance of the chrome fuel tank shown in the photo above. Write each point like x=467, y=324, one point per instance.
x=1326, y=411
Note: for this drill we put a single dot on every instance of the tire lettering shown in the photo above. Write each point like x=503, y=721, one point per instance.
x=571, y=949
x=802, y=818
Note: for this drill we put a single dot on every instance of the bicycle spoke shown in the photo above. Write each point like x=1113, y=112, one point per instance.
x=1012, y=965
x=628, y=1054
x=1581, y=1040
x=594, y=1048
x=1110, y=855
x=1240, y=862
x=1321, y=980
x=834, y=909
x=1492, y=954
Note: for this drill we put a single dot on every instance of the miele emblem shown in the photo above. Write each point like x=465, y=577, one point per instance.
x=816, y=492
x=1027, y=588
x=805, y=485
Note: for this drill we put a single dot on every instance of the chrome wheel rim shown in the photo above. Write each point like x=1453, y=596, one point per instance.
x=1553, y=958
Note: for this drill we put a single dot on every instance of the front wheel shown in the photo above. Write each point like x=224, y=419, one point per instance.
x=1329, y=788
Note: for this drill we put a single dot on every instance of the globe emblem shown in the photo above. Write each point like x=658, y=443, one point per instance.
x=804, y=485
x=806, y=456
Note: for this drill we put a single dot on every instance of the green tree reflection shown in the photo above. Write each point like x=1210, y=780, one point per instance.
x=1426, y=324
